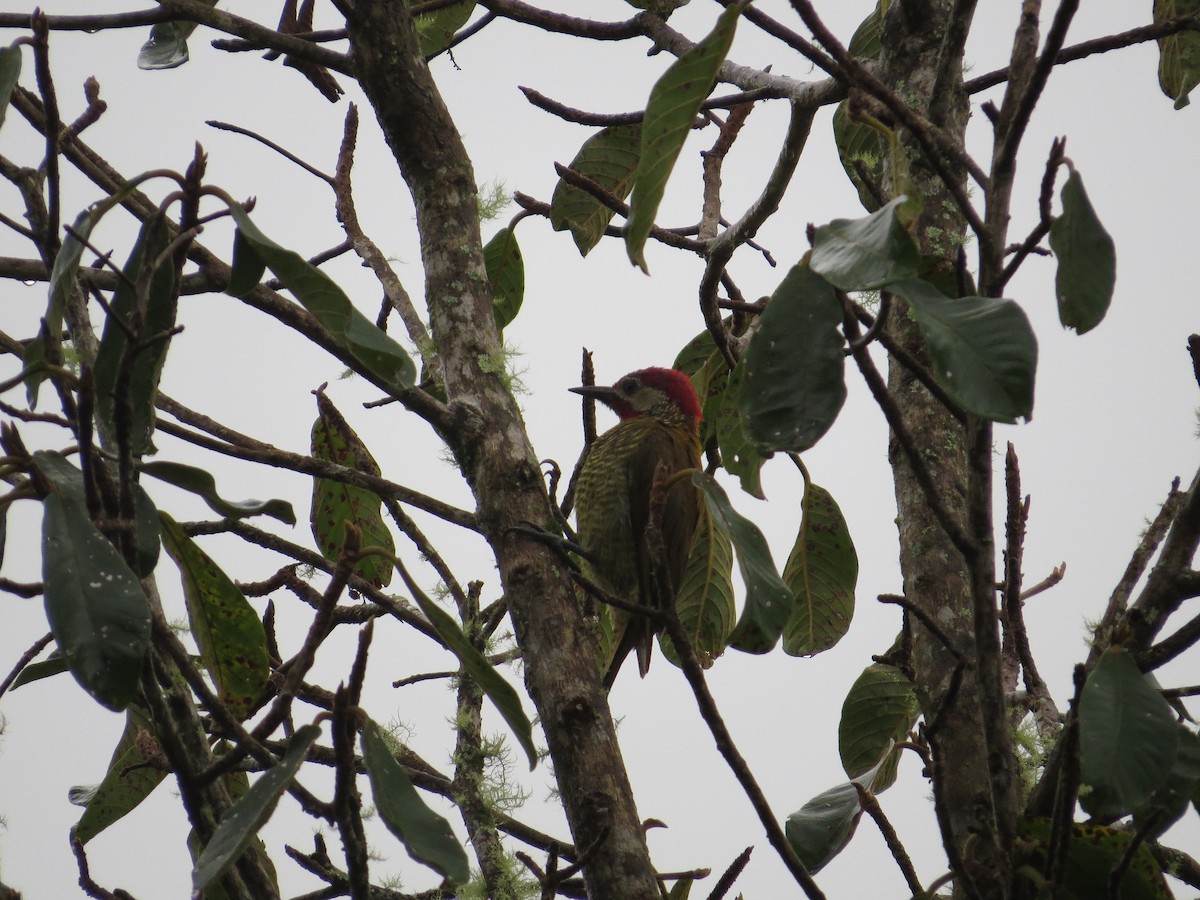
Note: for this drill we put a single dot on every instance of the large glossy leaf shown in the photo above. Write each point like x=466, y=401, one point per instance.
x=146, y=542
x=135, y=372
x=693, y=357
x=768, y=600
x=129, y=780
x=1179, y=53
x=426, y=835
x=856, y=142
x=95, y=605
x=859, y=145
x=62, y=279
x=243, y=819
x=499, y=691
x=10, y=71
x=167, y=46
x=54, y=664
x=506, y=274
x=66, y=263
x=674, y=102
x=609, y=158
x=336, y=504
x=878, y=711
x=320, y=295
x=1087, y=260
x=436, y=29
x=1093, y=851
x=202, y=483
x=822, y=828
x=868, y=253
x=794, y=383
x=229, y=633
x=236, y=784
x=739, y=454
x=704, y=601
x=719, y=391
x=822, y=572
x=983, y=350
x=1170, y=800
x=1128, y=737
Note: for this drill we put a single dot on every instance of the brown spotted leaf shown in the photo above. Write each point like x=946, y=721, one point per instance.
x=336, y=504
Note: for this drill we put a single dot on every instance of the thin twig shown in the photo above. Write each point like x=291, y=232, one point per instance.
x=1084, y=49
x=26, y=658
x=267, y=142
x=870, y=804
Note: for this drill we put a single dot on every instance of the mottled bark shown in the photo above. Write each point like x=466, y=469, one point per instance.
x=959, y=685
x=494, y=453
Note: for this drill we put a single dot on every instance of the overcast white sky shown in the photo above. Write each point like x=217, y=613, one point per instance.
x=1113, y=420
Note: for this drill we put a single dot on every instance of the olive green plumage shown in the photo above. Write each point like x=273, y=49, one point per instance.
x=613, y=482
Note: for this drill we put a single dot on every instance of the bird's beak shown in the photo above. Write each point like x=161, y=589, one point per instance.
x=602, y=393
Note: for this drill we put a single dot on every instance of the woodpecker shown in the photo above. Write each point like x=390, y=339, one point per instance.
x=659, y=423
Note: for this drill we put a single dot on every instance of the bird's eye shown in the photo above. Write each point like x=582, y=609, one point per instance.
x=627, y=387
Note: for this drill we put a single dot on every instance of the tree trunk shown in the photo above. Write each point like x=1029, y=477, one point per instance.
x=973, y=768
x=494, y=454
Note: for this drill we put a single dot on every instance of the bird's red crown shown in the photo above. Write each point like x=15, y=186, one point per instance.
x=675, y=384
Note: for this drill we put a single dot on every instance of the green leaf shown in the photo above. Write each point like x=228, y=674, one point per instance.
x=865, y=42
x=983, y=350
x=166, y=47
x=1087, y=260
x=34, y=361
x=499, y=691
x=66, y=263
x=98, y=614
x=862, y=144
x=674, y=102
x=866, y=254
x=130, y=779
x=146, y=543
x=1093, y=851
x=54, y=664
x=682, y=889
x=336, y=504
x=694, y=356
x=795, y=384
x=739, y=455
x=244, y=818
x=436, y=29
x=143, y=369
x=1128, y=737
x=202, y=483
x=610, y=159
x=1170, y=801
x=10, y=72
x=855, y=141
x=233, y=644
x=236, y=784
x=426, y=835
x=878, y=711
x=822, y=572
x=320, y=295
x=506, y=274
x=719, y=390
x=1179, y=53
x=704, y=601
x=768, y=600
x=823, y=826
